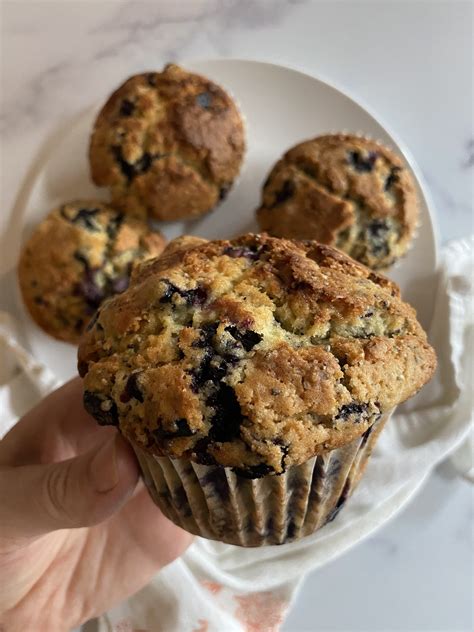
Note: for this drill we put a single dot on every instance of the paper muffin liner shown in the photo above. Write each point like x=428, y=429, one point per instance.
x=216, y=503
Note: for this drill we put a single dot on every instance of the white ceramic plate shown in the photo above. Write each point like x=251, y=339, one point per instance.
x=282, y=107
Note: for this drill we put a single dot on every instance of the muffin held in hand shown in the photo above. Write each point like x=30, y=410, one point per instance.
x=345, y=191
x=80, y=254
x=168, y=144
x=252, y=377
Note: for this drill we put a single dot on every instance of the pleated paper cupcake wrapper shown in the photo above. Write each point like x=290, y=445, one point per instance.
x=215, y=503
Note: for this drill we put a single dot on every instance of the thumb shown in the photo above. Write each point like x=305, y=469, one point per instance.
x=79, y=492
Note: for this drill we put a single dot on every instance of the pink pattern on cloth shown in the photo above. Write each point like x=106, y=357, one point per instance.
x=261, y=612
x=127, y=626
x=203, y=626
x=212, y=587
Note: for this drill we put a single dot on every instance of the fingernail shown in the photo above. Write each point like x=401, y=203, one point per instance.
x=103, y=468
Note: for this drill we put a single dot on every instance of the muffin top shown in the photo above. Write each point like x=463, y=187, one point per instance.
x=168, y=144
x=82, y=252
x=255, y=353
x=345, y=191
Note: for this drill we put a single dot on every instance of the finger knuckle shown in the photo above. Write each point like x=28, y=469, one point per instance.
x=57, y=493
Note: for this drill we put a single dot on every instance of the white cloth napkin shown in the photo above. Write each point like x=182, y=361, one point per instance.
x=216, y=587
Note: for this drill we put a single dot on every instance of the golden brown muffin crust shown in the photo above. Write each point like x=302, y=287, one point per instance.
x=255, y=353
x=169, y=144
x=80, y=254
x=345, y=191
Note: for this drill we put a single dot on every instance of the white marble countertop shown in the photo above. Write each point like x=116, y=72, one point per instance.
x=411, y=62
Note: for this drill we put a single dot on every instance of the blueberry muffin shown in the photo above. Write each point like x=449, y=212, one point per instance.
x=80, y=254
x=252, y=376
x=344, y=191
x=169, y=144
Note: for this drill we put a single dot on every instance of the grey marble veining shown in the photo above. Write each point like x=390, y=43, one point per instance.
x=411, y=63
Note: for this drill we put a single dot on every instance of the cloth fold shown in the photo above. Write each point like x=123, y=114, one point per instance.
x=230, y=588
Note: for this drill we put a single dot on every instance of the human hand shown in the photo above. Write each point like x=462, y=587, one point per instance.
x=77, y=533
